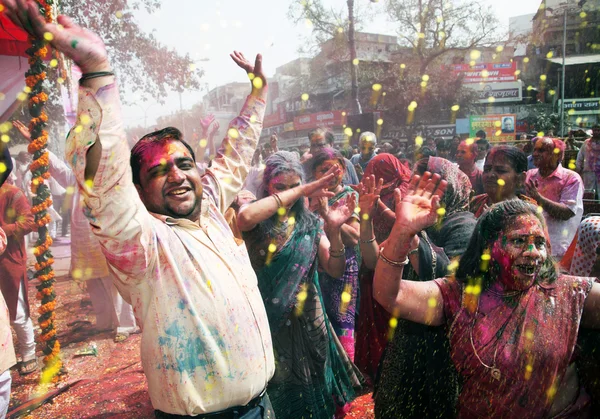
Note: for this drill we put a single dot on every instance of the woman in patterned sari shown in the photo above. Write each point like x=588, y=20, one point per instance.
x=313, y=374
x=417, y=378
x=340, y=294
x=512, y=319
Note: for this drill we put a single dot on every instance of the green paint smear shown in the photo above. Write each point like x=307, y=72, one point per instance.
x=74, y=43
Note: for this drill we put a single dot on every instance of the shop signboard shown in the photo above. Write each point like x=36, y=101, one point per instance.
x=320, y=119
x=511, y=91
x=486, y=72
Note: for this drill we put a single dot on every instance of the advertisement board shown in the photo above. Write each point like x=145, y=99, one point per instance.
x=485, y=72
x=511, y=91
x=501, y=127
x=320, y=119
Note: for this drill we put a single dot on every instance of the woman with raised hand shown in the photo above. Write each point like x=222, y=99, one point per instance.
x=287, y=244
x=416, y=376
x=512, y=318
x=373, y=321
x=503, y=178
x=340, y=294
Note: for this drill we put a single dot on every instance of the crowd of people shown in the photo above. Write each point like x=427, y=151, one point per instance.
x=450, y=278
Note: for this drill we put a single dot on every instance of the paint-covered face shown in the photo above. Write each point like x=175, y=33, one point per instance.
x=500, y=180
x=520, y=251
x=324, y=167
x=543, y=154
x=170, y=183
x=282, y=182
x=464, y=154
x=367, y=148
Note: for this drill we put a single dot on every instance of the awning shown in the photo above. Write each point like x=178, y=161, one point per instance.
x=577, y=59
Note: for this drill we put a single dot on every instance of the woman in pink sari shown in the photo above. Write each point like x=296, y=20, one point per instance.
x=512, y=319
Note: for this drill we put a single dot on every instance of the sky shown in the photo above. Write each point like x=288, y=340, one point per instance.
x=210, y=30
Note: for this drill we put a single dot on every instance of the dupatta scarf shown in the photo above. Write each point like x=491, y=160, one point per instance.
x=312, y=372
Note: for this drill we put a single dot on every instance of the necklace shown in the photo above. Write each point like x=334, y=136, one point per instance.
x=494, y=371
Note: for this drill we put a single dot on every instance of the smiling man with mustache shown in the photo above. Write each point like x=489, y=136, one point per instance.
x=206, y=346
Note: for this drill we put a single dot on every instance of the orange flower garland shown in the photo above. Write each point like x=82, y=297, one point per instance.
x=34, y=78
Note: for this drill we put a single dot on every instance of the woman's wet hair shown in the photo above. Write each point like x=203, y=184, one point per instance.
x=515, y=157
x=280, y=163
x=489, y=227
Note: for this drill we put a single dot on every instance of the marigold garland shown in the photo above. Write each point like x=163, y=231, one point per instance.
x=34, y=79
x=40, y=266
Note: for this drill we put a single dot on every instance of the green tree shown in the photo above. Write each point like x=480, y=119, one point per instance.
x=142, y=64
x=328, y=23
x=435, y=28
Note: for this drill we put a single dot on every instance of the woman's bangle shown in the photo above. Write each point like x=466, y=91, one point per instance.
x=337, y=253
x=387, y=209
x=277, y=200
x=391, y=262
x=368, y=241
x=412, y=252
x=95, y=75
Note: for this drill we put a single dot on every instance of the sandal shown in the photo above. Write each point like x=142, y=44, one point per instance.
x=28, y=367
x=123, y=336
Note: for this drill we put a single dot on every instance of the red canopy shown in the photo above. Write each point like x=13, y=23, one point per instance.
x=13, y=40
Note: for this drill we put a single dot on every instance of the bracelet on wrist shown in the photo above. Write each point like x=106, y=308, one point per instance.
x=412, y=252
x=394, y=263
x=95, y=75
x=277, y=200
x=368, y=241
x=337, y=253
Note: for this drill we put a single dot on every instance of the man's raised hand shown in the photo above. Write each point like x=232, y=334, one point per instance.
x=85, y=48
x=255, y=72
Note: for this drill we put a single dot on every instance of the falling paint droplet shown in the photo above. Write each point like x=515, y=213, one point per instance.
x=257, y=83
x=233, y=133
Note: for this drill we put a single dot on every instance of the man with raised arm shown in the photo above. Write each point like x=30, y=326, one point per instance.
x=206, y=347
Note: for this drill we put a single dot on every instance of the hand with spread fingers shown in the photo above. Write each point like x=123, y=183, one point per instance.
x=205, y=124
x=318, y=188
x=368, y=195
x=418, y=209
x=82, y=46
x=334, y=218
x=254, y=71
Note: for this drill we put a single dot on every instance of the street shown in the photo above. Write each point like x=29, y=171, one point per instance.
x=109, y=385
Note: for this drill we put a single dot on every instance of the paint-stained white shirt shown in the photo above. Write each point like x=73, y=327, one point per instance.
x=206, y=344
